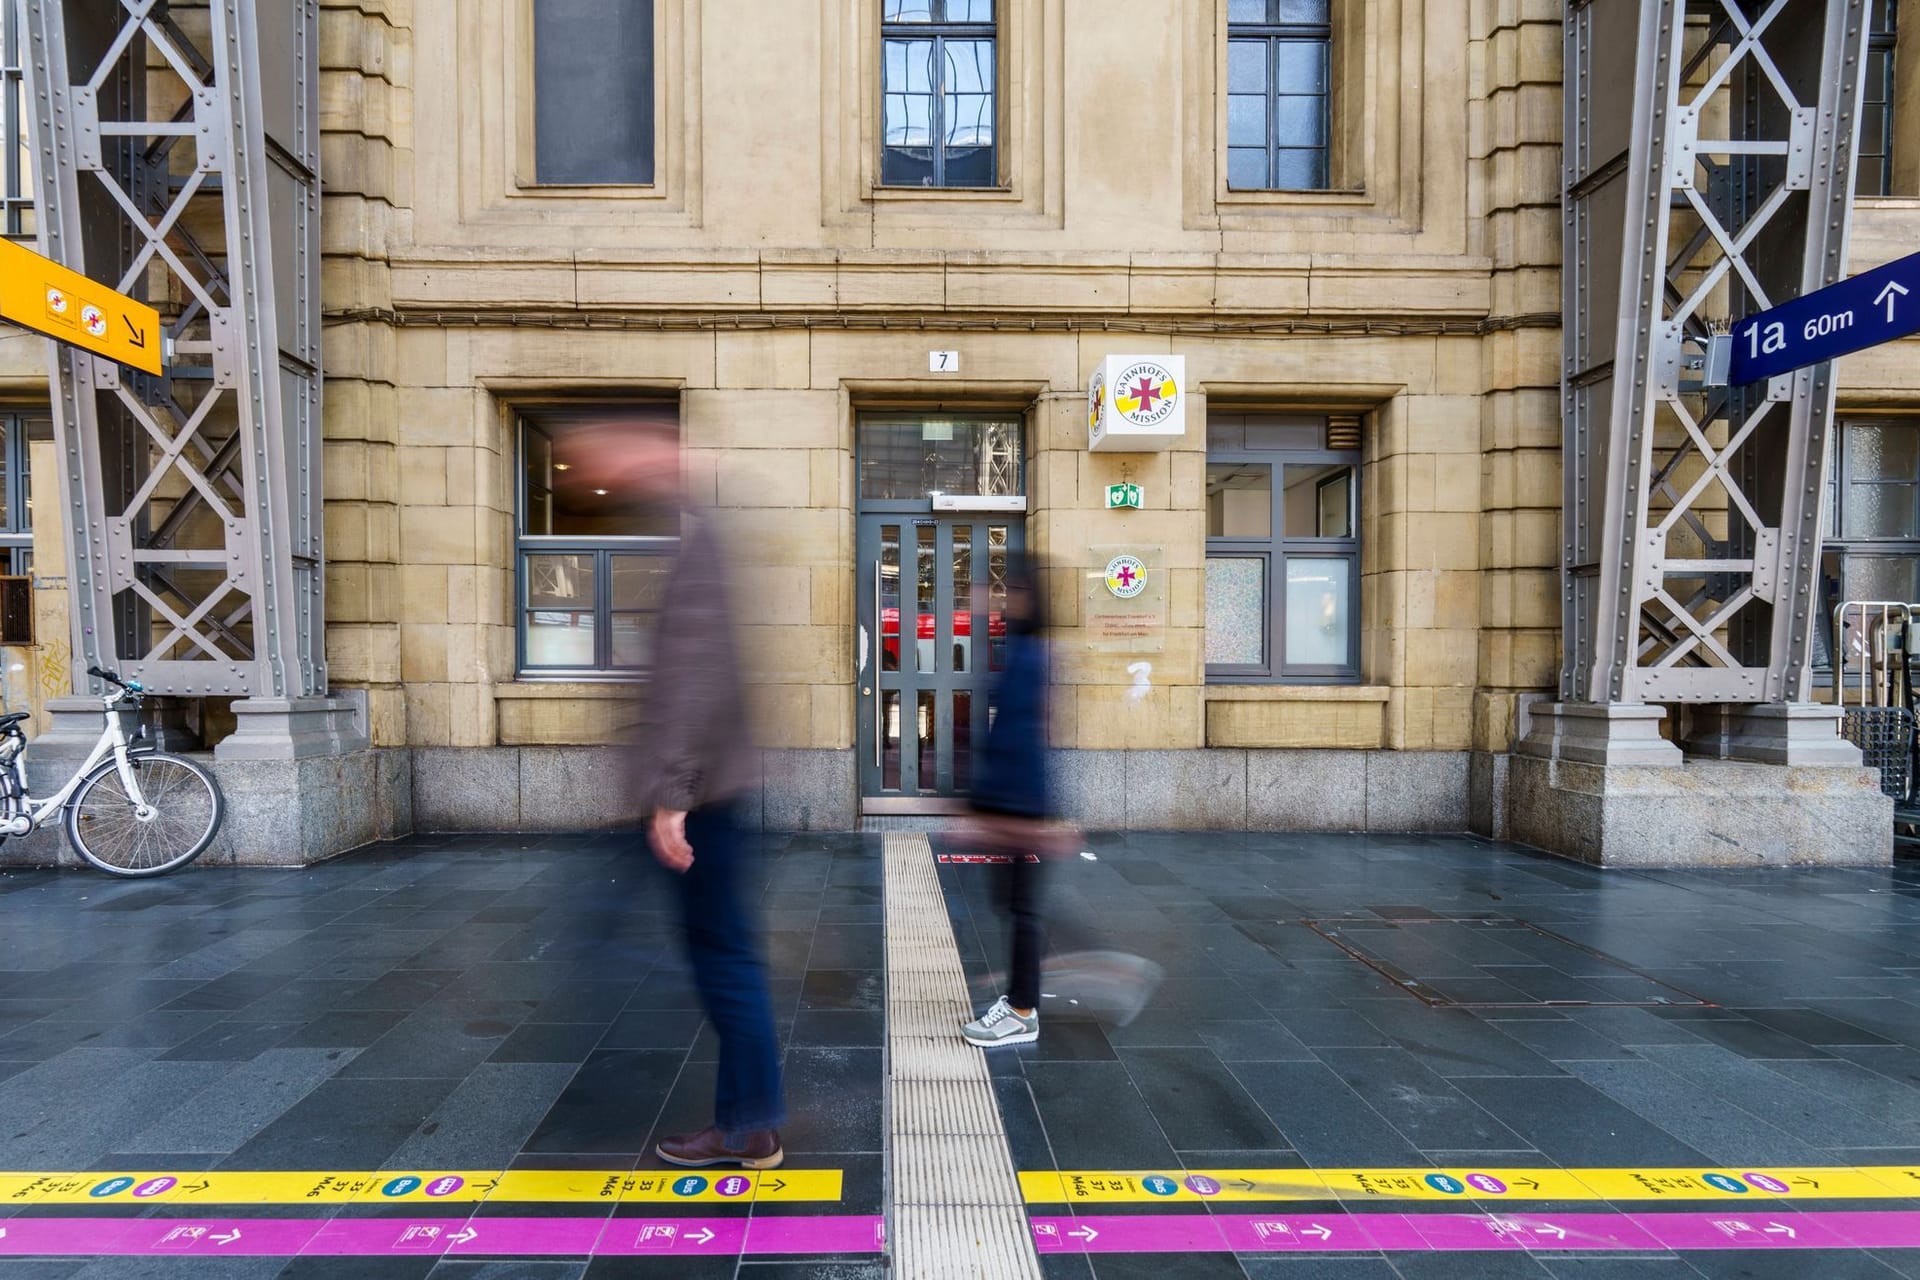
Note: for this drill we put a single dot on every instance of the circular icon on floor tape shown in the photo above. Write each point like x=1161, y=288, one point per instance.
x=1201, y=1185
x=734, y=1185
x=1157, y=1185
x=1488, y=1183
x=400, y=1187
x=1721, y=1182
x=691, y=1185
x=1448, y=1186
x=1763, y=1182
x=111, y=1187
x=154, y=1186
x=445, y=1186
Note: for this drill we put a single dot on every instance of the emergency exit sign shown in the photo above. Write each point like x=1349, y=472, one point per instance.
x=1123, y=495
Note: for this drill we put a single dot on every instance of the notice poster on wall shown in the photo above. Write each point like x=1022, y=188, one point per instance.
x=1124, y=599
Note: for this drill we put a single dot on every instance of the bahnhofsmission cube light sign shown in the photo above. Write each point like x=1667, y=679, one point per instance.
x=1137, y=404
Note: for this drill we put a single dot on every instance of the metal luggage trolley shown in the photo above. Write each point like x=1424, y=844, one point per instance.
x=1872, y=644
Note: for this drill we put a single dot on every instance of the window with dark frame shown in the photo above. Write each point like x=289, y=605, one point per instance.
x=1874, y=176
x=938, y=93
x=1279, y=94
x=16, y=148
x=1283, y=548
x=590, y=561
x=593, y=70
x=1870, y=546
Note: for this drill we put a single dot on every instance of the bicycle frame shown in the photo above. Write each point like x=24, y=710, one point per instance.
x=113, y=741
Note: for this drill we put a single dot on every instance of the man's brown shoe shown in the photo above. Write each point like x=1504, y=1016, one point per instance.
x=757, y=1149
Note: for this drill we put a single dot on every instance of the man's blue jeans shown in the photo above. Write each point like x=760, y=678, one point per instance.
x=720, y=923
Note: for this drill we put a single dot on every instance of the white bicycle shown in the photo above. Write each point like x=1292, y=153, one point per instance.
x=131, y=809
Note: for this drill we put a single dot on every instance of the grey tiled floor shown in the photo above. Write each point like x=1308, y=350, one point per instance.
x=1268, y=1046
x=486, y=1002
x=474, y=1002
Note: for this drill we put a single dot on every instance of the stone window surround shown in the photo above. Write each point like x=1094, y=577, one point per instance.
x=1030, y=127
x=495, y=133
x=1376, y=132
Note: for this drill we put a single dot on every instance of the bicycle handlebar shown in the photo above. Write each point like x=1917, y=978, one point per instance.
x=131, y=686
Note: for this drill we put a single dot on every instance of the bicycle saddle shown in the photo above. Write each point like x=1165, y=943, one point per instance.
x=8, y=721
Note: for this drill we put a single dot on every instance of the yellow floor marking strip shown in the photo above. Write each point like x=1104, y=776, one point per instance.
x=1198, y=1185
x=419, y=1187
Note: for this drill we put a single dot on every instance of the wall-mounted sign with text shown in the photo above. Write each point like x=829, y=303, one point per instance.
x=1137, y=404
x=1124, y=603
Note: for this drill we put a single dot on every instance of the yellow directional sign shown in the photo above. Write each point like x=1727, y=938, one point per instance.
x=418, y=1187
x=38, y=293
x=1875, y=1182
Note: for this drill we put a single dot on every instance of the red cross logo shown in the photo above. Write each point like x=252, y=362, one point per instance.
x=1126, y=575
x=1146, y=392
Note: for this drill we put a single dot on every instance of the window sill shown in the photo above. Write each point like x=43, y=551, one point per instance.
x=587, y=191
x=614, y=686
x=1303, y=197
x=1226, y=692
x=945, y=195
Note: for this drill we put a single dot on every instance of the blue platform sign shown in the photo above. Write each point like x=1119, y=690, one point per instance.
x=1871, y=308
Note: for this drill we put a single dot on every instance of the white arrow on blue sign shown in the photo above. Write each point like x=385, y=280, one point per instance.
x=1871, y=308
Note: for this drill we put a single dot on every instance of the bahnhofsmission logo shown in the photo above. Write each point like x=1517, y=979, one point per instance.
x=1145, y=394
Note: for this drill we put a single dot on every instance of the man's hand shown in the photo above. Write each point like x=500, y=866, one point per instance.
x=668, y=832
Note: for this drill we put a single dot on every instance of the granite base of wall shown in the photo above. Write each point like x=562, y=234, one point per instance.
x=587, y=788
x=280, y=813
x=1705, y=813
x=1229, y=789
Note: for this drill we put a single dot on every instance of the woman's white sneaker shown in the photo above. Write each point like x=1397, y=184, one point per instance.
x=1001, y=1024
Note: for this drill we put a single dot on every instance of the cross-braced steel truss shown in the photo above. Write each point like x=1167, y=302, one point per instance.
x=177, y=150
x=1709, y=166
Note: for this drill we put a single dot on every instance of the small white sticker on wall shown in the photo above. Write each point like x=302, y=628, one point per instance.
x=943, y=362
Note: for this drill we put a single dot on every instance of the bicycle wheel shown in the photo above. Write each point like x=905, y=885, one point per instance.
x=184, y=812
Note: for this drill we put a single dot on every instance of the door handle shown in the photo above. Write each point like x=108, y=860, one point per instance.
x=880, y=665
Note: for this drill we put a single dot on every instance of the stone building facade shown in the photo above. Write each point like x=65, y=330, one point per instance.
x=757, y=276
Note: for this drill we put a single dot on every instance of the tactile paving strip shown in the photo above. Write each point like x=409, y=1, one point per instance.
x=956, y=1205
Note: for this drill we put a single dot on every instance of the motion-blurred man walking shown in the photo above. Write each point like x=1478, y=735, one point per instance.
x=694, y=759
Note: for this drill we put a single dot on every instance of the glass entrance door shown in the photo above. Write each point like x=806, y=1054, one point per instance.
x=932, y=631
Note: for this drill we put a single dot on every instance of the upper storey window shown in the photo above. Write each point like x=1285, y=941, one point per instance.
x=593, y=92
x=1875, y=174
x=938, y=93
x=1279, y=78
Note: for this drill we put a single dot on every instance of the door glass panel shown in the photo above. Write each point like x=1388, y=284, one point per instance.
x=1318, y=596
x=962, y=598
x=890, y=740
x=1237, y=611
x=1239, y=500
x=997, y=595
x=962, y=740
x=889, y=605
x=911, y=458
x=925, y=631
x=924, y=724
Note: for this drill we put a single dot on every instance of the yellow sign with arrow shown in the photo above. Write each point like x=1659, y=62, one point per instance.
x=38, y=293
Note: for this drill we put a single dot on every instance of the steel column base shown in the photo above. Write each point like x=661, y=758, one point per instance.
x=1708, y=813
x=1599, y=733
x=1791, y=733
x=292, y=729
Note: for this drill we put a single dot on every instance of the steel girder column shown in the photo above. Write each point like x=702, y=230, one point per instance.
x=178, y=159
x=1708, y=167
